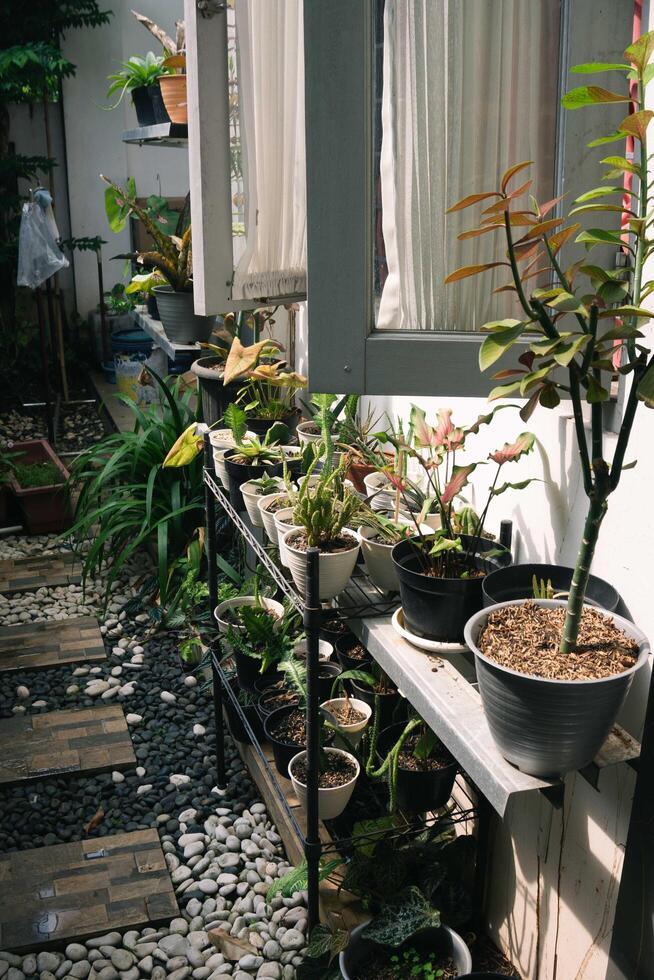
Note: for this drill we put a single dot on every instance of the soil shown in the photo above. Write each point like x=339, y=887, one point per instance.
x=340, y=770
x=277, y=699
x=456, y=569
x=344, y=542
x=278, y=504
x=346, y=714
x=440, y=759
x=526, y=638
x=336, y=626
x=291, y=729
x=379, y=968
x=311, y=428
x=358, y=652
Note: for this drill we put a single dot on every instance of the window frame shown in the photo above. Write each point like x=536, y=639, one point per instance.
x=209, y=162
x=345, y=353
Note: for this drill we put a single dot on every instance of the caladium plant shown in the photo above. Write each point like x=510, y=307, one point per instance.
x=581, y=328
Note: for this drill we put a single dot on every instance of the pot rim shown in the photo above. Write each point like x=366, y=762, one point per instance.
x=247, y=492
x=471, y=630
x=275, y=714
x=361, y=706
x=465, y=951
x=323, y=554
x=261, y=466
x=430, y=578
x=298, y=644
x=548, y=564
x=247, y=600
x=327, y=789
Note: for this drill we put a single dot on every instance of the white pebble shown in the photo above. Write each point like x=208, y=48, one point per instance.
x=22, y=692
x=133, y=719
x=167, y=697
x=72, y=689
x=179, y=779
x=145, y=788
x=190, y=680
x=117, y=776
x=116, y=671
x=199, y=730
x=39, y=704
x=140, y=771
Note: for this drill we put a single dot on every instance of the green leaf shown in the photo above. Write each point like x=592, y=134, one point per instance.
x=585, y=95
x=549, y=396
x=497, y=343
x=514, y=486
x=534, y=377
x=598, y=192
x=567, y=303
x=563, y=357
x=236, y=420
x=401, y=918
x=640, y=52
x=623, y=332
x=595, y=392
x=493, y=326
x=621, y=164
x=503, y=391
x=592, y=67
x=613, y=291
x=611, y=138
x=598, y=236
x=646, y=387
x=626, y=311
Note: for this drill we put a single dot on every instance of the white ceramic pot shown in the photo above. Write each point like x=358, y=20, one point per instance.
x=325, y=649
x=222, y=440
x=305, y=437
x=251, y=498
x=377, y=556
x=313, y=480
x=268, y=516
x=244, y=600
x=333, y=800
x=381, y=492
x=334, y=568
x=354, y=731
x=284, y=523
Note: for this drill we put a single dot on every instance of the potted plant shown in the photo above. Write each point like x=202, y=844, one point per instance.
x=38, y=480
x=419, y=769
x=247, y=702
x=140, y=77
x=173, y=89
x=250, y=459
x=440, y=575
x=284, y=521
x=322, y=513
x=350, y=651
x=378, y=536
x=550, y=714
x=171, y=257
x=535, y=580
x=373, y=686
x=273, y=692
x=221, y=440
x=349, y=717
x=257, y=639
x=269, y=507
x=255, y=490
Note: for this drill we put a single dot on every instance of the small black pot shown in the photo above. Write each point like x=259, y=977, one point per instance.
x=216, y=396
x=515, y=582
x=261, y=426
x=152, y=308
x=343, y=645
x=327, y=674
x=235, y=722
x=240, y=473
x=359, y=949
x=158, y=108
x=392, y=707
x=418, y=792
x=262, y=686
x=283, y=752
x=327, y=632
x=439, y=608
x=143, y=106
x=247, y=670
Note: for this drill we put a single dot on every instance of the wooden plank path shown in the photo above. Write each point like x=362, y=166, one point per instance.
x=62, y=641
x=79, y=890
x=39, y=571
x=87, y=740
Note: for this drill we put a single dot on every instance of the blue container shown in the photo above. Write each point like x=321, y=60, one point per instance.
x=134, y=353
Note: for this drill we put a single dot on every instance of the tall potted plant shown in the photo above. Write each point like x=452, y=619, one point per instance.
x=550, y=710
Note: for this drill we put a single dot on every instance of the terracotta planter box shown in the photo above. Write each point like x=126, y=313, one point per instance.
x=46, y=509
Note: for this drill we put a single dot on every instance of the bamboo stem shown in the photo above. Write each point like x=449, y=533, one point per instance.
x=596, y=511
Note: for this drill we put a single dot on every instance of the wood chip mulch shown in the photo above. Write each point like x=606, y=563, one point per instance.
x=526, y=638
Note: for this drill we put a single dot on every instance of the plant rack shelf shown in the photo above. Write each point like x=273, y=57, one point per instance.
x=161, y=134
x=155, y=331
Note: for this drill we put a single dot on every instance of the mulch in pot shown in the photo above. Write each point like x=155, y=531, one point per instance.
x=346, y=714
x=291, y=729
x=340, y=770
x=342, y=542
x=440, y=758
x=526, y=638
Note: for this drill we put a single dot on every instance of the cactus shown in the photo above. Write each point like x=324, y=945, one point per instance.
x=325, y=509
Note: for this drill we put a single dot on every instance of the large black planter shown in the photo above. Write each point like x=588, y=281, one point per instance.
x=240, y=473
x=445, y=940
x=215, y=395
x=248, y=670
x=438, y=608
x=158, y=108
x=235, y=722
x=392, y=707
x=418, y=792
x=283, y=752
x=516, y=582
x=143, y=106
x=549, y=727
x=262, y=426
x=343, y=645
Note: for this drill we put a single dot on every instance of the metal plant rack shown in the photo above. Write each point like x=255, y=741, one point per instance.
x=364, y=599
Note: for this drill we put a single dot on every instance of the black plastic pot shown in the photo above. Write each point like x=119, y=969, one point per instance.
x=263, y=686
x=152, y=308
x=418, y=792
x=158, y=108
x=247, y=670
x=327, y=631
x=516, y=581
x=283, y=752
x=261, y=426
x=438, y=608
x=327, y=674
x=143, y=106
x=215, y=395
x=445, y=940
x=240, y=473
x=343, y=644
x=235, y=722
x=392, y=707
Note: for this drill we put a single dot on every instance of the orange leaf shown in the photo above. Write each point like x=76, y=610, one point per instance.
x=526, y=250
x=512, y=171
x=466, y=202
x=636, y=123
x=509, y=288
x=242, y=359
x=641, y=50
x=542, y=228
x=544, y=209
x=476, y=232
x=471, y=270
x=505, y=203
x=558, y=240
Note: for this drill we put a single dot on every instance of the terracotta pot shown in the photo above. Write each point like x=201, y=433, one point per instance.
x=46, y=509
x=173, y=92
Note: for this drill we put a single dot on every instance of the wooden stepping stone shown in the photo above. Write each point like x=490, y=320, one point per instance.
x=39, y=571
x=62, y=641
x=78, y=741
x=75, y=891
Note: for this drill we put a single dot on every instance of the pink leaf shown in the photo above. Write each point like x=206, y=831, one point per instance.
x=514, y=450
x=445, y=425
x=457, y=483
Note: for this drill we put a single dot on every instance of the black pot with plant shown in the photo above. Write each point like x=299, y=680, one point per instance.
x=351, y=653
x=216, y=395
x=250, y=459
x=257, y=641
x=247, y=704
x=139, y=76
x=377, y=690
x=285, y=729
x=420, y=770
x=543, y=581
x=273, y=692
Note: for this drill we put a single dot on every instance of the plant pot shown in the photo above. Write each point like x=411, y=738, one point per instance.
x=248, y=670
x=158, y=108
x=305, y=435
x=445, y=940
x=334, y=569
x=143, y=105
x=221, y=440
x=216, y=396
x=265, y=685
x=549, y=727
x=325, y=650
x=438, y=608
x=46, y=509
x=173, y=93
x=352, y=731
x=418, y=792
x=392, y=706
x=378, y=559
x=182, y=325
x=251, y=500
x=379, y=490
x=515, y=582
x=262, y=426
x=152, y=306
x=284, y=523
x=283, y=752
x=331, y=800
x=268, y=516
x=343, y=645
x=293, y=457
x=235, y=722
x=243, y=600
x=239, y=473
x=333, y=628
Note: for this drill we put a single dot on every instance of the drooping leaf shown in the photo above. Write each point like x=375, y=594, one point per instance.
x=185, y=448
x=549, y=396
x=640, y=52
x=610, y=208
x=598, y=192
x=636, y=123
x=529, y=407
x=242, y=359
x=471, y=199
x=598, y=236
x=563, y=357
x=476, y=232
x=497, y=343
x=457, y=482
x=626, y=311
x=593, y=67
x=622, y=332
x=512, y=451
x=503, y=391
x=595, y=392
x=601, y=140
x=585, y=95
x=512, y=171
x=471, y=270
x=514, y=486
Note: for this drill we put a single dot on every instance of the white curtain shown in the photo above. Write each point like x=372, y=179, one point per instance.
x=270, y=39
x=469, y=88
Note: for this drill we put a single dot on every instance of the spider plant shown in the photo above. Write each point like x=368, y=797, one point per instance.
x=136, y=73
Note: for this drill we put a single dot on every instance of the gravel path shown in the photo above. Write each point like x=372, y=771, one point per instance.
x=222, y=850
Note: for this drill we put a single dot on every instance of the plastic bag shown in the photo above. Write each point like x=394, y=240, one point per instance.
x=39, y=255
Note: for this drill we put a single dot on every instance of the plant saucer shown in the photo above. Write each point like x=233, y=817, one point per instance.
x=430, y=646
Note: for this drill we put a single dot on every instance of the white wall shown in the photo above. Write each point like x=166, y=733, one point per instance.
x=94, y=135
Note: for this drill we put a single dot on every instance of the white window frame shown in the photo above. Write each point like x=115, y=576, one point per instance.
x=209, y=162
x=345, y=353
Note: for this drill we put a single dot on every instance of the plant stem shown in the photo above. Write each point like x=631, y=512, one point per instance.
x=596, y=511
